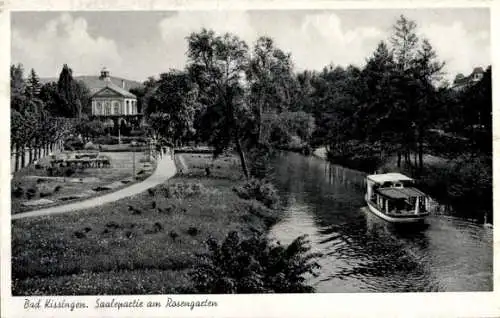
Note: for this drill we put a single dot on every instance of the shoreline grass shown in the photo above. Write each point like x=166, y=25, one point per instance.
x=115, y=248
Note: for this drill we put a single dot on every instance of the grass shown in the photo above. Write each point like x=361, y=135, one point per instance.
x=144, y=244
x=121, y=168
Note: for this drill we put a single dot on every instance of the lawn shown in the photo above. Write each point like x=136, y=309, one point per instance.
x=144, y=244
x=62, y=190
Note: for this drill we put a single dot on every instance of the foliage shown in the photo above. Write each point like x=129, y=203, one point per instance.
x=89, y=128
x=182, y=190
x=254, y=265
x=464, y=184
x=172, y=106
x=217, y=64
x=259, y=190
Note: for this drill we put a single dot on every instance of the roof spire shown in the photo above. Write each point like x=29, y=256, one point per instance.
x=105, y=75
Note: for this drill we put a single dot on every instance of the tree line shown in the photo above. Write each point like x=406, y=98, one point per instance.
x=251, y=100
x=43, y=115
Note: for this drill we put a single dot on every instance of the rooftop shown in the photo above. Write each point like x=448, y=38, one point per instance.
x=113, y=87
x=388, y=177
x=401, y=193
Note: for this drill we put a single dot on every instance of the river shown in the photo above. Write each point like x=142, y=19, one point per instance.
x=362, y=253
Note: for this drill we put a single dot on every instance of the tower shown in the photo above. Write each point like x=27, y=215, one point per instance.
x=105, y=75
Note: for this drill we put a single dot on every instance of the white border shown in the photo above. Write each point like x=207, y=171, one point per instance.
x=485, y=304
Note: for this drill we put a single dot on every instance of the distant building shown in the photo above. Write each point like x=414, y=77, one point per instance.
x=461, y=82
x=112, y=103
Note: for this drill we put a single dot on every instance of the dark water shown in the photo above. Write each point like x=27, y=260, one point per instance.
x=362, y=253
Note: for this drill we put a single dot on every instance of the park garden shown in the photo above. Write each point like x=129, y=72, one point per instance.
x=204, y=230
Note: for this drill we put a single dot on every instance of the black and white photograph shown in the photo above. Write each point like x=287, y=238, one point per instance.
x=246, y=151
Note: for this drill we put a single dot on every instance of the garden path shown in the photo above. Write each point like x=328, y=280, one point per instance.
x=165, y=170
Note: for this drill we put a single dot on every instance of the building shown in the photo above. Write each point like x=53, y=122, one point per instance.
x=461, y=82
x=114, y=104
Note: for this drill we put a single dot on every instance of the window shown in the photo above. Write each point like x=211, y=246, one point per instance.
x=98, y=110
x=128, y=108
x=116, y=108
x=107, y=109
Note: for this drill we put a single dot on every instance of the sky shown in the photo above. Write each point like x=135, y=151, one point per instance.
x=136, y=45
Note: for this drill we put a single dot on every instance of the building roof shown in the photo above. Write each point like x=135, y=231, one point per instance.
x=113, y=87
x=461, y=80
x=388, y=177
x=400, y=193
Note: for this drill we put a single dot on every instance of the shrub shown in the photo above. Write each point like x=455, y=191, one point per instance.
x=182, y=190
x=90, y=146
x=79, y=234
x=465, y=184
x=73, y=144
x=106, y=140
x=262, y=191
x=57, y=188
x=254, y=265
x=69, y=171
x=45, y=194
x=60, y=171
x=193, y=231
x=31, y=193
x=18, y=192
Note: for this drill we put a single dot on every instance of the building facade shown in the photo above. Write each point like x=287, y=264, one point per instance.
x=114, y=104
x=461, y=82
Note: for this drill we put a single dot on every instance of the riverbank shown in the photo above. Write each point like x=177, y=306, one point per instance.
x=463, y=185
x=145, y=244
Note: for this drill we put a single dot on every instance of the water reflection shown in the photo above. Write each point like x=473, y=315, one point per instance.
x=362, y=253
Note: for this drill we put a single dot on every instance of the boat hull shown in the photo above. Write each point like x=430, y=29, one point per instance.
x=400, y=219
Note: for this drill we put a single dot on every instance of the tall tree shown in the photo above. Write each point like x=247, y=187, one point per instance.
x=176, y=97
x=66, y=89
x=405, y=46
x=271, y=78
x=427, y=71
x=33, y=84
x=218, y=63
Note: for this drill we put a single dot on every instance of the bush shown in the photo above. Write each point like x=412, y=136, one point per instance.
x=31, y=193
x=90, y=146
x=60, y=171
x=73, y=144
x=182, y=190
x=262, y=191
x=465, y=184
x=106, y=140
x=18, y=192
x=254, y=265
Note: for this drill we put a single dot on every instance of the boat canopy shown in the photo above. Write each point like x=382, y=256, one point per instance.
x=400, y=193
x=388, y=177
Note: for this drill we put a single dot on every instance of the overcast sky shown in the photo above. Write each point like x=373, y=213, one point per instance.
x=135, y=45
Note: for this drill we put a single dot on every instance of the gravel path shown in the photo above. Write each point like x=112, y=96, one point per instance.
x=164, y=171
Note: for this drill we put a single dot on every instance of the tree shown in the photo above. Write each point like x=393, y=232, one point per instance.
x=82, y=99
x=217, y=63
x=175, y=98
x=427, y=72
x=33, y=85
x=271, y=80
x=66, y=89
x=405, y=44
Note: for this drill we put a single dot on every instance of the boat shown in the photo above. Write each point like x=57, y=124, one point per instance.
x=394, y=198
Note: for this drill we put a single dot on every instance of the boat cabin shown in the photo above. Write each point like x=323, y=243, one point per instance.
x=394, y=194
